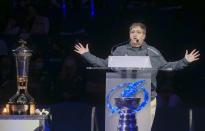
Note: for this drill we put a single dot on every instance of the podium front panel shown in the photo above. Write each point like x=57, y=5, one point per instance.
x=115, y=78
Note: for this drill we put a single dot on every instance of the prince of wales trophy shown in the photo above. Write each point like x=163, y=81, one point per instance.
x=22, y=103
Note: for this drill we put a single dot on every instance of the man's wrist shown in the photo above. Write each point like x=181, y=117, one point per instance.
x=186, y=61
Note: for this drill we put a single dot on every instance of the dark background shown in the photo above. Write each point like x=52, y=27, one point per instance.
x=58, y=75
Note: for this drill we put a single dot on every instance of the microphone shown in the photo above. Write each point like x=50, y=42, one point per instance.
x=137, y=40
x=119, y=44
x=136, y=43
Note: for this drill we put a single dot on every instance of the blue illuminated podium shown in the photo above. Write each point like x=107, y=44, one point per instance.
x=122, y=73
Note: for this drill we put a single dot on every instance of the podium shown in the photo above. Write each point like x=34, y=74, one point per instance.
x=121, y=71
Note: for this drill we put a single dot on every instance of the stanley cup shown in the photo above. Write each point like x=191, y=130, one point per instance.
x=127, y=119
x=22, y=103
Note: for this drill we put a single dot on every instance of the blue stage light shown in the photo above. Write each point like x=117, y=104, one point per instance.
x=92, y=8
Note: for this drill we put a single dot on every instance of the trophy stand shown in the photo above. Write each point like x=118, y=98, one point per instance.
x=22, y=103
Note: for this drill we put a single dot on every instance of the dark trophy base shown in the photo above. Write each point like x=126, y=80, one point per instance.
x=18, y=109
x=21, y=103
x=127, y=119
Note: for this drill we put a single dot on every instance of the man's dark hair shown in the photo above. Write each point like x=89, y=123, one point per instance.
x=141, y=25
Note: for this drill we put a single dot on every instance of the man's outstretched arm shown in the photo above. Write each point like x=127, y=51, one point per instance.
x=90, y=58
x=188, y=58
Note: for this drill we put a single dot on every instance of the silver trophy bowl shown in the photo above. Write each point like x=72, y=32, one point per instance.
x=127, y=118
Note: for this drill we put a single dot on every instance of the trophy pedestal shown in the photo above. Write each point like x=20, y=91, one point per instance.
x=22, y=103
x=23, y=122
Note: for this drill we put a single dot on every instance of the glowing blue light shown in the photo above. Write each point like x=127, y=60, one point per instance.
x=92, y=8
x=130, y=90
x=64, y=8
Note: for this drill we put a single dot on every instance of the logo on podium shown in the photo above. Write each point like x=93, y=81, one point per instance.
x=128, y=103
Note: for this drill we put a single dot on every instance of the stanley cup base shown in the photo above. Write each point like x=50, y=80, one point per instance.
x=127, y=119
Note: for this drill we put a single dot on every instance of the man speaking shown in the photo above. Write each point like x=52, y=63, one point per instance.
x=138, y=47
